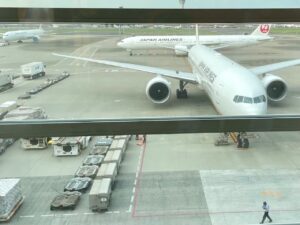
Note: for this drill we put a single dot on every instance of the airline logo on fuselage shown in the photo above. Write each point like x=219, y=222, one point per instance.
x=161, y=39
x=210, y=75
x=264, y=28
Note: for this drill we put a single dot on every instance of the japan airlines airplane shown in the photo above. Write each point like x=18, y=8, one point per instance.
x=232, y=88
x=20, y=35
x=181, y=44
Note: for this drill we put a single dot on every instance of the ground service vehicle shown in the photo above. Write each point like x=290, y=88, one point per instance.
x=11, y=198
x=33, y=70
x=66, y=200
x=7, y=106
x=99, y=196
x=6, y=81
x=64, y=146
x=24, y=113
x=5, y=143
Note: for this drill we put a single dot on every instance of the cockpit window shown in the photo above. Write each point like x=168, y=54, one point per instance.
x=249, y=100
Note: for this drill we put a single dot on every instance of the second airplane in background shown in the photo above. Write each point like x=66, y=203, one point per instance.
x=181, y=44
x=20, y=35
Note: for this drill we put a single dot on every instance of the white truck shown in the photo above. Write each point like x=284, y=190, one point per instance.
x=26, y=113
x=11, y=198
x=33, y=70
x=64, y=146
x=6, y=81
x=99, y=196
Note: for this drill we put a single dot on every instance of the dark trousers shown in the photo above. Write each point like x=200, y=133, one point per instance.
x=266, y=215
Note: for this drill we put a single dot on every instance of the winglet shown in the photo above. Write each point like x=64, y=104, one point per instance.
x=262, y=30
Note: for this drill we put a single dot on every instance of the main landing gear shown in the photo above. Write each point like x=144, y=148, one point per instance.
x=182, y=92
x=241, y=139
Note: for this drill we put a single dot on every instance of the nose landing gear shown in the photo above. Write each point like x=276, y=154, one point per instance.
x=181, y=92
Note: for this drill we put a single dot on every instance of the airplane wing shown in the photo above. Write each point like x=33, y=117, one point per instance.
x=188, y=77
x=274, y=66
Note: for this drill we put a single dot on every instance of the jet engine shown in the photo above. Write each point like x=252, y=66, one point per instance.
x=181, y=50
x=36, y=38
x=275, y=86
x=158, y=90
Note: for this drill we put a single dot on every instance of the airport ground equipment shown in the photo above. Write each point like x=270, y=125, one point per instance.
x=113, y=156
x=101, y=146
x=33, y=70
x=80, y=184
x=87, y=171
x=25, y=113
x=11, y=198
x=66, y=200
x=108, y=170
x=66, y=146
x=93, y=160
x=7, y=106
x=6, y=81
x=99, y=196
x=119, y=144
x=5, y=143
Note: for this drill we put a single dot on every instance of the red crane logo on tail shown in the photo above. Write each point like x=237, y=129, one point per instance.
x=264, y=28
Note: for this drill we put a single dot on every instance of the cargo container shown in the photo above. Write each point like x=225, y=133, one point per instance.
x=6, y=81
x=11, y=198
x=93, y=160
x=113, y=156
x=118, y=144
x=108, y=170
x=99, y=196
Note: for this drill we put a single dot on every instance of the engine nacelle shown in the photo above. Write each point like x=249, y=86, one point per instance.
x=158, y=90
x=275, y=86
x=36, y=38
x=181, y=50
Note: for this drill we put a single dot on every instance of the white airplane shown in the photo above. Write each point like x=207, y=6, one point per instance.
x=20, y=35
x=181, y=44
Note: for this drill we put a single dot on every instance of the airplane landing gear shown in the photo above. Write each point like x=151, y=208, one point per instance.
x=20, y=41
x=130, y=53
x=242, y=140
x=181, y=92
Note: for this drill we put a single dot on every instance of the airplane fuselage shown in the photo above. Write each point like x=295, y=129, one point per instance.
x=232, y=88
x=156, y=42
x=20, y=35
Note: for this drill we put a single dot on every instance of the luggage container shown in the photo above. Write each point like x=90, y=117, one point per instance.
x=113, y=156
x=99, y=196
x=108, y=170
x=118, y=144
x=93, y=160
x=126, y=137
x=33, y=70
x=11, y=198
x=87, y=171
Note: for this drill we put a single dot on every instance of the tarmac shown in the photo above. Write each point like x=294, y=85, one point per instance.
x=172, y=179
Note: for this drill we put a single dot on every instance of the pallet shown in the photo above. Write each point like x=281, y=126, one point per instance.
x=12, y=212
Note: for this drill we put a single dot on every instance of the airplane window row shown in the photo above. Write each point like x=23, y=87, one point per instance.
x=249, y=100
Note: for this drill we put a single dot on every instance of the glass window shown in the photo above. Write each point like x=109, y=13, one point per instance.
x=247, y=100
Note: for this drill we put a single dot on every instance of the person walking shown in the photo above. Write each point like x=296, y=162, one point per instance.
x=266, y=209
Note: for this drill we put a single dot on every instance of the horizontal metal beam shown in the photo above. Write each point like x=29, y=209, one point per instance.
x=149, y=15
x=173, y=125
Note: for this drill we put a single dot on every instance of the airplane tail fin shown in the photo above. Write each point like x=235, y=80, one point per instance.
x=262, y=30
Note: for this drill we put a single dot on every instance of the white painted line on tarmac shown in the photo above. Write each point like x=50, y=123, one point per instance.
x=70, y=214
x=135, y=181
x=133, y=190
x=47, y=215
x=28, y=216
x=136, y=174
x=116, y=212
x=130, y=208
x=89, y=213
x=109, y=212
x=132, y=198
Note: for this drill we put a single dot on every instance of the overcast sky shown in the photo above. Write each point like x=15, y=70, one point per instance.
x=151, y=3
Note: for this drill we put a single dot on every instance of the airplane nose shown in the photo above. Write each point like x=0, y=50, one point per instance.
x=120, y=44
x=259, y=109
